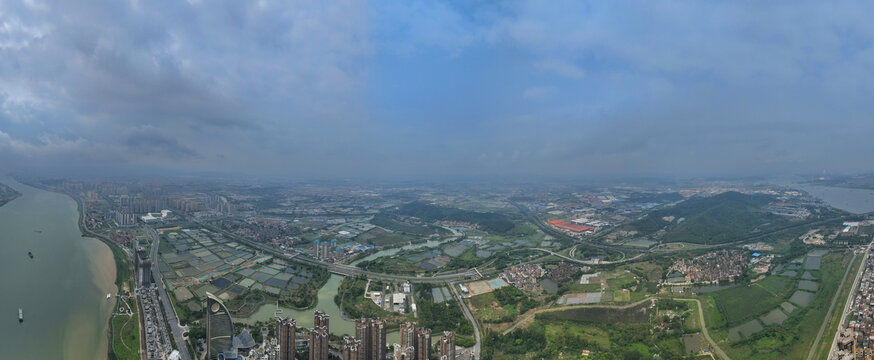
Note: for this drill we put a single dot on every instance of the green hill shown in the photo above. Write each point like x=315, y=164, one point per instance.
x=717, y=219
x=491, y=222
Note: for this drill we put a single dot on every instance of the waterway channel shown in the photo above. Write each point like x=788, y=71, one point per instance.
x=62, y=290
x=338, y=324
x=856, y=201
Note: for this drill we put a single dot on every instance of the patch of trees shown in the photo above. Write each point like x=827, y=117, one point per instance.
x=519, y=341
x=350, y=297
x=386, y=221
x=188, y=316
x=491, y=222
x=440, y=316
x=675, y=305
x=711, y=220
x=510, y=295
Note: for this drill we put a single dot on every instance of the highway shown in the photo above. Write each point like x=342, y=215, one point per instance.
x=349, y=270
x=586, y=262
x=169, y=311
x=478, y=345
x=343, y=269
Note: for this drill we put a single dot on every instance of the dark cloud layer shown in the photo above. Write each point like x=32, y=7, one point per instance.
x=424, y=88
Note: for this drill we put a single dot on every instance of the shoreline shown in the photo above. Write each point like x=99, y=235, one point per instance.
x=104, y=269
x=116, y=260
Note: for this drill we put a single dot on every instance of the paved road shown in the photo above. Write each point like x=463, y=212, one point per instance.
x=570, y=307
x=704, y=331
x=349, y=270
x=587, y=262
x=343, y=269
x=849, y=303
x=170, y=312
x=477, y=346
x=722, y=354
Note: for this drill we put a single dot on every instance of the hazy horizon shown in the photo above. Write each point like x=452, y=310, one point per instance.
x=434, y=89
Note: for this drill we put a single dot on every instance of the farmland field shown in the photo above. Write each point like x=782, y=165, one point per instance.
x=740, y=303
x=803, y=318
x=635, y=314
x=748, y=328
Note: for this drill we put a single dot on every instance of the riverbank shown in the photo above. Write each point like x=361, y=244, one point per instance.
x=118, y=265
x=61, y=288
x=122, y=274
x=7, y=194
x=123, y=267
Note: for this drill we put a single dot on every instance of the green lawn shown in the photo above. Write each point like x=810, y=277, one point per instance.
x=125, y=337
x=620, y=280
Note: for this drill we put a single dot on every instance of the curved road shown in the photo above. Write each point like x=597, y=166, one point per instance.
x=343, y=269
x=704, y=331
x=587, y=262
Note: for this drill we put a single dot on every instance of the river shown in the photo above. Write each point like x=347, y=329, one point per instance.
x=856, y=201
x=395, y=250
x=326, y=303
x=61, y=290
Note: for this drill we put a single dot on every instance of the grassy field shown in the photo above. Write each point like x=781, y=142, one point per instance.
x=741, y=303
x=832, y=326
x=620, y=280
x=125, y=337
x=794, y=338
x=712, y=317
x=591, y=334
x=630, y=315
x=572, y=288
x=621, y=296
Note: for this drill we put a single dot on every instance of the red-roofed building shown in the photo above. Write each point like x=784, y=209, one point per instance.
x=562, y=224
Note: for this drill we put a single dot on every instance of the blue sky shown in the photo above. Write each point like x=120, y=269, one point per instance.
x=432, y=88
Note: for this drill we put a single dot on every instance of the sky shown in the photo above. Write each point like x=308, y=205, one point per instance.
x=438, y=88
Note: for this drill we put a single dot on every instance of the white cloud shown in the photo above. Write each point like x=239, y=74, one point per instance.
x=561, y=67
x=47, y=145
x=539, y=93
